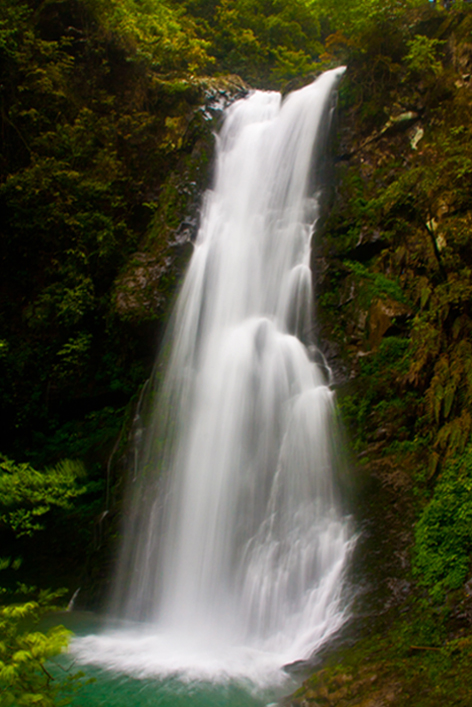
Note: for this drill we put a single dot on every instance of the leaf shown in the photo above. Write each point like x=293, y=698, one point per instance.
x=448, y=400
x=27, y=494
x=425, y=295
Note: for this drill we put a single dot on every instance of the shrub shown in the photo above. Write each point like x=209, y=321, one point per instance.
x=25, y=678
x=443, y=534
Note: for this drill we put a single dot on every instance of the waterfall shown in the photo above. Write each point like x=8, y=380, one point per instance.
x=235, y=543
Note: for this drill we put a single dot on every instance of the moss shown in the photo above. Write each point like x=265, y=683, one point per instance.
x=408, y=665
x=374, y=284
x=443, y=534
x=400, y=232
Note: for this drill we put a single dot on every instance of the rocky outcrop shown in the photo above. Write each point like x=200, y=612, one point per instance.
x=143, y=290
x=384, y=314
x=394, y=305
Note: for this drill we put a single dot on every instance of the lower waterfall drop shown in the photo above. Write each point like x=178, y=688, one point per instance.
x=236, y=544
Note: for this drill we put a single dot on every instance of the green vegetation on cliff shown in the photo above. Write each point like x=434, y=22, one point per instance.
x=107, y=112
x=265, y=41
x=26, y=653
x=88, y=139
x=402, y=350
x=399, y=244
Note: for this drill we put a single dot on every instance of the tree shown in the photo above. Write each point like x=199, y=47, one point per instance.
x=27, y=495
x=25, y=675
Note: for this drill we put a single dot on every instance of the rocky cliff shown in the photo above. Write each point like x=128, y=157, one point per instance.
x=394, y=273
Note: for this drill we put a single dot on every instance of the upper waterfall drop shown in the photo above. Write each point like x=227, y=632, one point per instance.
x=236, y=545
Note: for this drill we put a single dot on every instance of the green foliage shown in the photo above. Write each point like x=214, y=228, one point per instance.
x=26, y=495
x=99, y=106
x=422, y=55
x=393, y=355
x=155, y=32
x=266, y=41
x=375, y=398
x=375, y=284
x=443, y=534
x=406, y=656
x=404, y=209
x=26, y=653
x=417, y=200
x=83, y=440
x=357, y=17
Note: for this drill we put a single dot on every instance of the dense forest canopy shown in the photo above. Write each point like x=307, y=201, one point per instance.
x=104, y=148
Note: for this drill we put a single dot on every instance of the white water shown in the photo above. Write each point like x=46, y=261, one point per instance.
x=236, y=547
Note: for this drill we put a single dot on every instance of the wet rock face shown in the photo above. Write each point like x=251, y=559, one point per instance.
x=138, y=292
x=383, y=314
x=394, y=306
x=144, y=288
x=360, y=300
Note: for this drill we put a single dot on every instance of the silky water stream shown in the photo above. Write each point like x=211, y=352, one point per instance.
x=236, y=544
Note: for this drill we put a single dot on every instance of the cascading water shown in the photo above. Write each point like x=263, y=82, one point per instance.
x=235, y=546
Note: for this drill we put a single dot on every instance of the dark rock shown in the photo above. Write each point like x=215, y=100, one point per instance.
x=369, y=245
x=299, y=82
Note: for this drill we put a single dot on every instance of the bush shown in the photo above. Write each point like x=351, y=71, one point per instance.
x=443, y=534
x=26, y=495
x=24, y=654
x=421, y=57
